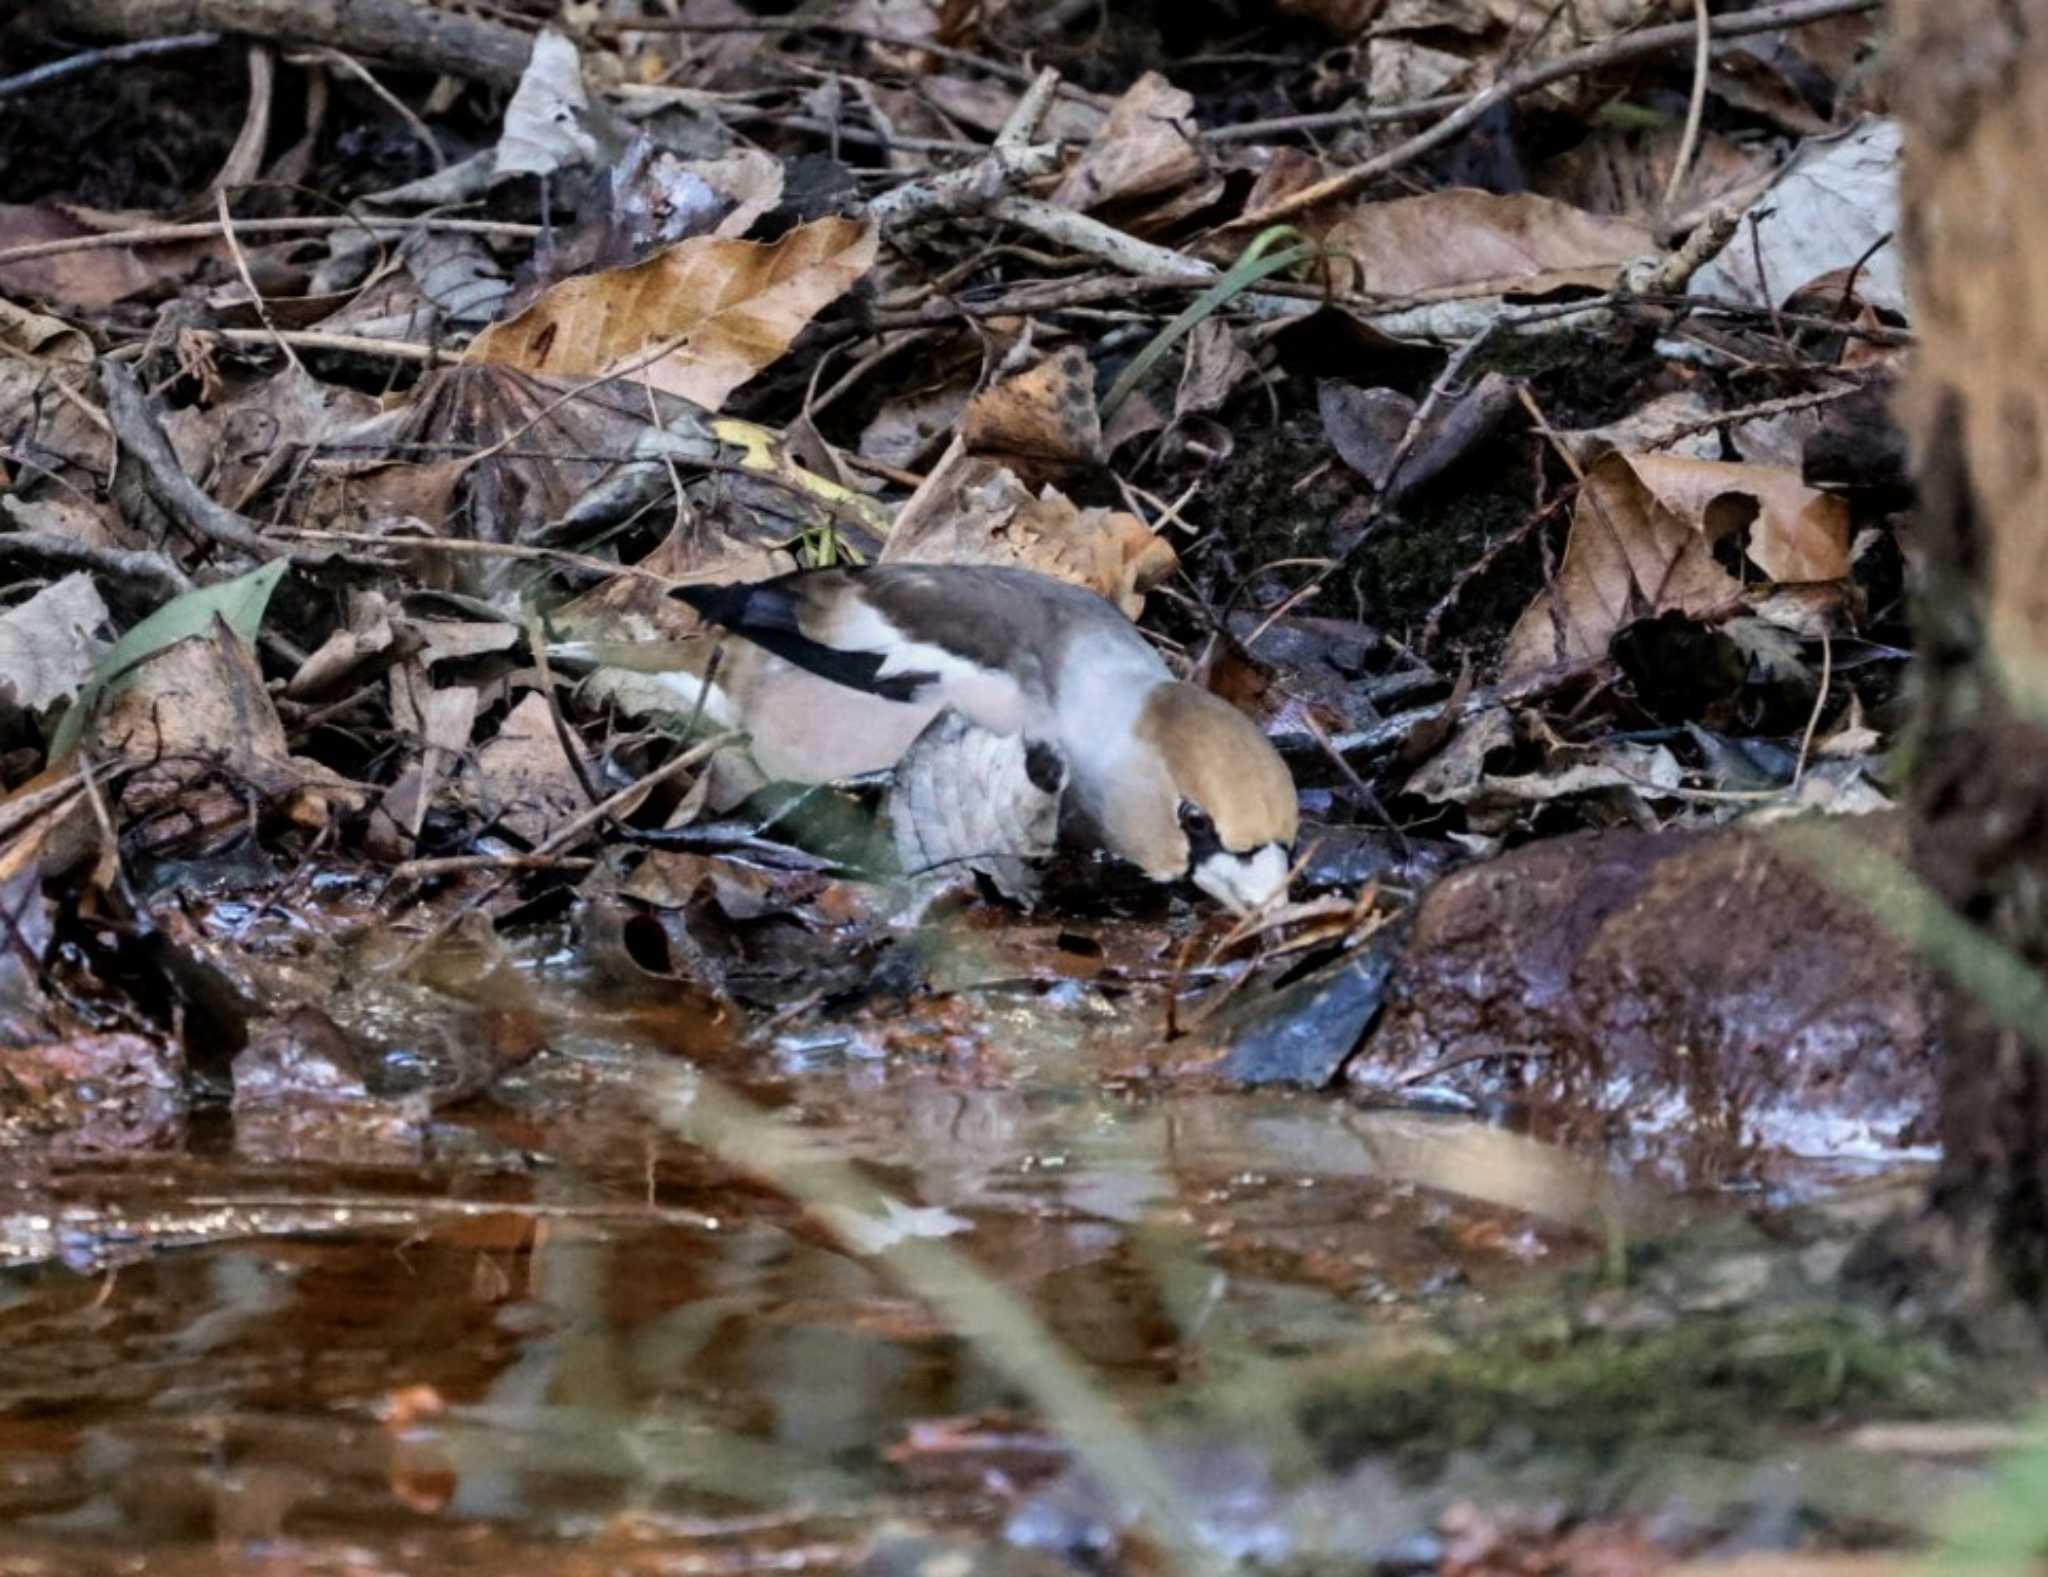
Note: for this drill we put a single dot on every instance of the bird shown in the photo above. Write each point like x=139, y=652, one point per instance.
x=838, y=671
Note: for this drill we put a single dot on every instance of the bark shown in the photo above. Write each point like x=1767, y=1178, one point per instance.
x=408, y=33
x=1973, y=89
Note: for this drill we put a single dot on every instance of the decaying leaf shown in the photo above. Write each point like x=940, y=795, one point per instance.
x=238, y=604
x=1642, y=543
x=972, y=512
x=750, y=180
x=1627, y=171
x=50, y=644
x=1403, y=70
x=1466, y=240
x=45, y=376
x=89, y=277
x=343, y=657
x=697, y=320
x=436, y=725
x=547, y=123
x=910, y=425
x=1146, y=147
x=522, y=780
x=1043, y=422
x=197, y=722
x=1831, y=205
x=986, y=104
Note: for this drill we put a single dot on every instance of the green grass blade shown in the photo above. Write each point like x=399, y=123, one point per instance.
x=1247, y=271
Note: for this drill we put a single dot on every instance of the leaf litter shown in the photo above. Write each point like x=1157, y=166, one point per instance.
x=1535, y=493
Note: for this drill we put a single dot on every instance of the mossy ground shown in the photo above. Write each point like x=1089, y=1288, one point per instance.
x=1719, y=1385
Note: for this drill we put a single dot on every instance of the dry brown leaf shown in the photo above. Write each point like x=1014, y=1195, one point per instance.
x=1043, y=422
x=1642, y=541
x=86, y=521
x=522, y=779
x=89, y=277
x=971, y=511
x=697, y=320
x=45, y=378
x=345, y=656
x=1617, y=171
x=1214, y=365
x=1466, y=240
x=1146, y=147
x=198, y=723
x=436, y=725
x=986, y=105
x=1403, y=71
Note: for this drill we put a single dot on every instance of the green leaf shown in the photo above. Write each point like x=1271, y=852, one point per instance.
x=1247, y=271
x=240, y=601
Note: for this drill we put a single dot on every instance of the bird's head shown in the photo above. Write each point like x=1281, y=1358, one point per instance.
x=1205, y=797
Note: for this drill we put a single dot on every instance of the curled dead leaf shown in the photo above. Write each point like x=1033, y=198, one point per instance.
x=1642, y=543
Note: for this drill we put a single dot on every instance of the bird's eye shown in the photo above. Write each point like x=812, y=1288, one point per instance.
x=1196, y=823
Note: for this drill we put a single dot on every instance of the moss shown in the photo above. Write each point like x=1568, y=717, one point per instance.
x=1713, y=1384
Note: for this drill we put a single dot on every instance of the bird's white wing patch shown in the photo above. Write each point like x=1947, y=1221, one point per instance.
x=991, y=698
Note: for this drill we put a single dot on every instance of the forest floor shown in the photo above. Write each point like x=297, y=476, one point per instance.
x=443, y=1134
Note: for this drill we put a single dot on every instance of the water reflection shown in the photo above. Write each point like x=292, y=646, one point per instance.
x=615, y=1326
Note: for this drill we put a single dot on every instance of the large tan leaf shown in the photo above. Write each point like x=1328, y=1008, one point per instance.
x=1642, y=543
x=1468, y=240
x=704, y=316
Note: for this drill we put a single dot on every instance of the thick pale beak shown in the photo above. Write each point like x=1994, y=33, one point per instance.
x=1244, y=881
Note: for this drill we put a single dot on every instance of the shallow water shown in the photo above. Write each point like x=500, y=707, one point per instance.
x=687, y=1309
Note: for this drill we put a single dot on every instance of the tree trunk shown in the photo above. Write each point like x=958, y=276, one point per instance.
x=1972, y=86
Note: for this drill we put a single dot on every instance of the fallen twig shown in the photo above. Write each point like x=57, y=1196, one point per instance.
x=1613, y=51
x=164, y=478
x=166, y=234
x=426, y=37
x=970, y=189
x=112, y=55
x=130, y=567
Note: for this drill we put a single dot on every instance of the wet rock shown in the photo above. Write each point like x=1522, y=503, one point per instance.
x=302, y=1092
x=1708, y=996
x=104, y=1090
x=1301, y=1033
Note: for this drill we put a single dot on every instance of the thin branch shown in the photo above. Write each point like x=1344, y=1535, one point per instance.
x=161, y=235
x=1613, y=51
x=133, y=568
x=113, y=54
x=1687, y=143
x=163, y=477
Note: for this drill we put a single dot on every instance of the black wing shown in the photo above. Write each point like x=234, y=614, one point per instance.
x=769, y=613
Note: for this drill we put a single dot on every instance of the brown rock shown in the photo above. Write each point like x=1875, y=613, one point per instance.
x=1708, y=996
